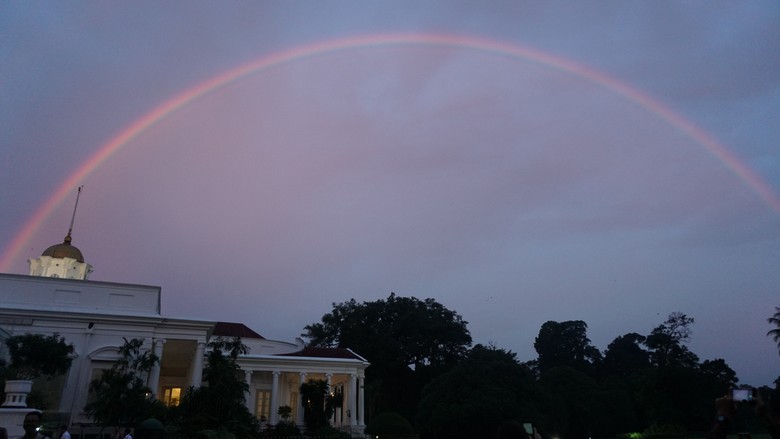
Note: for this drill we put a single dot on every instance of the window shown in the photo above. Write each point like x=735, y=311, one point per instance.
x=95, y=374
x=263, y=408
x=171, y=396
x=294, y=405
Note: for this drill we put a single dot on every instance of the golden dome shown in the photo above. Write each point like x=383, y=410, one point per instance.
x=64, y=250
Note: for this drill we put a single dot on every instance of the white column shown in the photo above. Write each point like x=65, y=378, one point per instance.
x=82, y=368
x=361, y=400
x=275, y=397
x=197, y=365
x=154, y=376
x=299, y=414
x=352, y=396
x=250, y=397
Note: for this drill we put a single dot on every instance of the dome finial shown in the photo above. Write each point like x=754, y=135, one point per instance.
x=68, y=239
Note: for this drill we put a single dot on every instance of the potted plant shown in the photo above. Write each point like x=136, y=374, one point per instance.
x=33, y=356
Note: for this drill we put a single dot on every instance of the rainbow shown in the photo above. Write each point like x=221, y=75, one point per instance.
x=750, y=178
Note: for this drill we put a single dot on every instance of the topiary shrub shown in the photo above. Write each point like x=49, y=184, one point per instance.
x=389, y=424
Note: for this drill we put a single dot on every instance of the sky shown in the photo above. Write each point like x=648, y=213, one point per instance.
x=517, y=161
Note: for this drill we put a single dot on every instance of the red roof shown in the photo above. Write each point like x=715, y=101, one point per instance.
x=325, y=353
x=226, y=329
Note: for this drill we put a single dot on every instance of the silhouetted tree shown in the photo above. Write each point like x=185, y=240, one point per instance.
x=474, y=397
x=666, y=342
x=680, y=390
x=611, y=411
x=407, y=341
x=721, y=376
x=625, y=357
x=775, y=333
x=566, y=344
x=122, y=396
x=571, y=392
x=624, y=373
x=36, y=355
x=218, y=407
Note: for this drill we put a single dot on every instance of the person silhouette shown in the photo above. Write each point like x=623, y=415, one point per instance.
x=31, y=425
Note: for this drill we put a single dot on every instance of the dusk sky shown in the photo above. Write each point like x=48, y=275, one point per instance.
x=517, y=161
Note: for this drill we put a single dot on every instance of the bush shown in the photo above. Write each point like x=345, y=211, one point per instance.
x=389, y=424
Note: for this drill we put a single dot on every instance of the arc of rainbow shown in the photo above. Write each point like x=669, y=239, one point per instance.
x=665, y=113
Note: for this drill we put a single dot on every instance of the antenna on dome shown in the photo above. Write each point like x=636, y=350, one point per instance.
x=73, y=217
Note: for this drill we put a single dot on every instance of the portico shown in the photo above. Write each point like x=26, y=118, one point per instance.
x=275, y=380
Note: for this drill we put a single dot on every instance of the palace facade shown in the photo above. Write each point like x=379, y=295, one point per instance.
x=96, y=317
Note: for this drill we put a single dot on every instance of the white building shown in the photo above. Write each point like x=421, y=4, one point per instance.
x=96, y=316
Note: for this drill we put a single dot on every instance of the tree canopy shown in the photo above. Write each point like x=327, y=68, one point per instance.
x=422, y=368
x=403, y=330
x=667, y=342
x=486, y=388
x=406, y=340
x=775, y=332
x=565, y=344
x=36, y=355
x=625, y=356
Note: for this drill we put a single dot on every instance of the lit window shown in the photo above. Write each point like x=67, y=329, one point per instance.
x=171, y=396
x=294, y=405
x=263, y=410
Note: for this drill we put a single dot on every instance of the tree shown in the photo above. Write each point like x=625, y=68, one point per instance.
x=666, y=342
x=775, y=333
x=36, y=355
x=122, y=396
x=625, y=357
x=612, y=411
x=721, y=376
x=680, y=390
x=617, y=406
x=565, y=344
x=407, y=341
x=419, y=333
x=572, y=392
x=474, y=397
x=218, y=408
